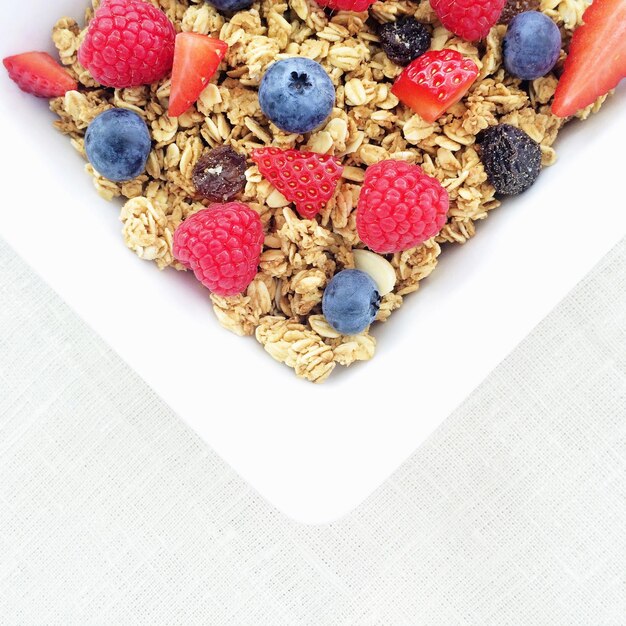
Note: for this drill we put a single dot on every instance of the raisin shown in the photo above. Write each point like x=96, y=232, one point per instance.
x=220, y=175
x=512, y=160
x=515, y=7
x=404, y=40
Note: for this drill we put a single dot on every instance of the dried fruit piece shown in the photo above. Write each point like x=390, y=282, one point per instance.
x=515, y=7
x=404, y=40
x=220, y=175
x=511, y=158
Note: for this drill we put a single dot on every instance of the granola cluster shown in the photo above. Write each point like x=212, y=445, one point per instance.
x=282, y=305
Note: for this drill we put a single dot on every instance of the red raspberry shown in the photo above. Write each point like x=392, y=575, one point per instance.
x=347, y=5
x=307, y=179
x=469, y=19
x=222, y=245
x=400, y=207
x=129, y=43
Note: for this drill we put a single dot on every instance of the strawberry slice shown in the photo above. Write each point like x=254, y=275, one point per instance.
x=434, y=82
x=39, y=74
x=596, y=60
x=196, y=59
x=307, y=179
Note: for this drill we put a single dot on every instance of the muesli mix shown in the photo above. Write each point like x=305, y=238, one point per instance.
x=310, y=160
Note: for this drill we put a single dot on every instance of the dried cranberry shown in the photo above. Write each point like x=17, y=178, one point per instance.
x=220, y=175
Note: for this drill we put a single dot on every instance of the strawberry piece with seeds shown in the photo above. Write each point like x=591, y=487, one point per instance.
x=307, y=179
x=597, y=58
x=39, y=74
x=434, y=82
x=196, y=59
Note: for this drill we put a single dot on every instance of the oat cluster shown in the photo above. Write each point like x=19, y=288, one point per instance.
x=282, y=306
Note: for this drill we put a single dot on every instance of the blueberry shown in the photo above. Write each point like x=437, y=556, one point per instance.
x=531, y=45
x=231, y=5
x=297, y=95
x=351, y=302
x=118, y=143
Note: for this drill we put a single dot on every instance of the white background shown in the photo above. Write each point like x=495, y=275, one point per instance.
x=313, y=451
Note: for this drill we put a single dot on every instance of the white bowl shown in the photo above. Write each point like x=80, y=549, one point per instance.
x=313, y=451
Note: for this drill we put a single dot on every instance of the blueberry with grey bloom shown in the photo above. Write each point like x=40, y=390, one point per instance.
x=512, y=159
x=531, y=46
x=231, y=5
x=118, y=144
x=297, y=95
x=351, y=302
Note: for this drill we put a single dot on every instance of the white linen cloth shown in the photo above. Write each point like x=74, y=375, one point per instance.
x=114, y=512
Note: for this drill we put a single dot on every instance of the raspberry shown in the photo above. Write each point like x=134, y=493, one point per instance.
x=469, y=19
x=129, y=43
x=347, y=5
x=400, y=207
x=307, y=179
x=512, y=160
x=222, y=245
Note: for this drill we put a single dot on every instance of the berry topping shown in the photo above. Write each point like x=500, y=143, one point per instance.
x=231, y=5
x=596, y=60
x=128, y=43
x=196, y=59
x=469, y=19
x=347, y=5
x=434, y=82
x=220, y=175
x=400, y=207
x=307, y=179
x=531, y=46
x=515, y=7
x=512, y=160
x=39, y=74
x=118, y=144
x=404, y=40
x=351, y=302
x=297, y=95
x=222, y=246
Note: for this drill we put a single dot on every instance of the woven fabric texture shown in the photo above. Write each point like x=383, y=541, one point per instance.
x=113, y=512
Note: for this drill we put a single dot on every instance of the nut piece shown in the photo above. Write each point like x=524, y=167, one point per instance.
x=220, y=175
x=378, y=268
